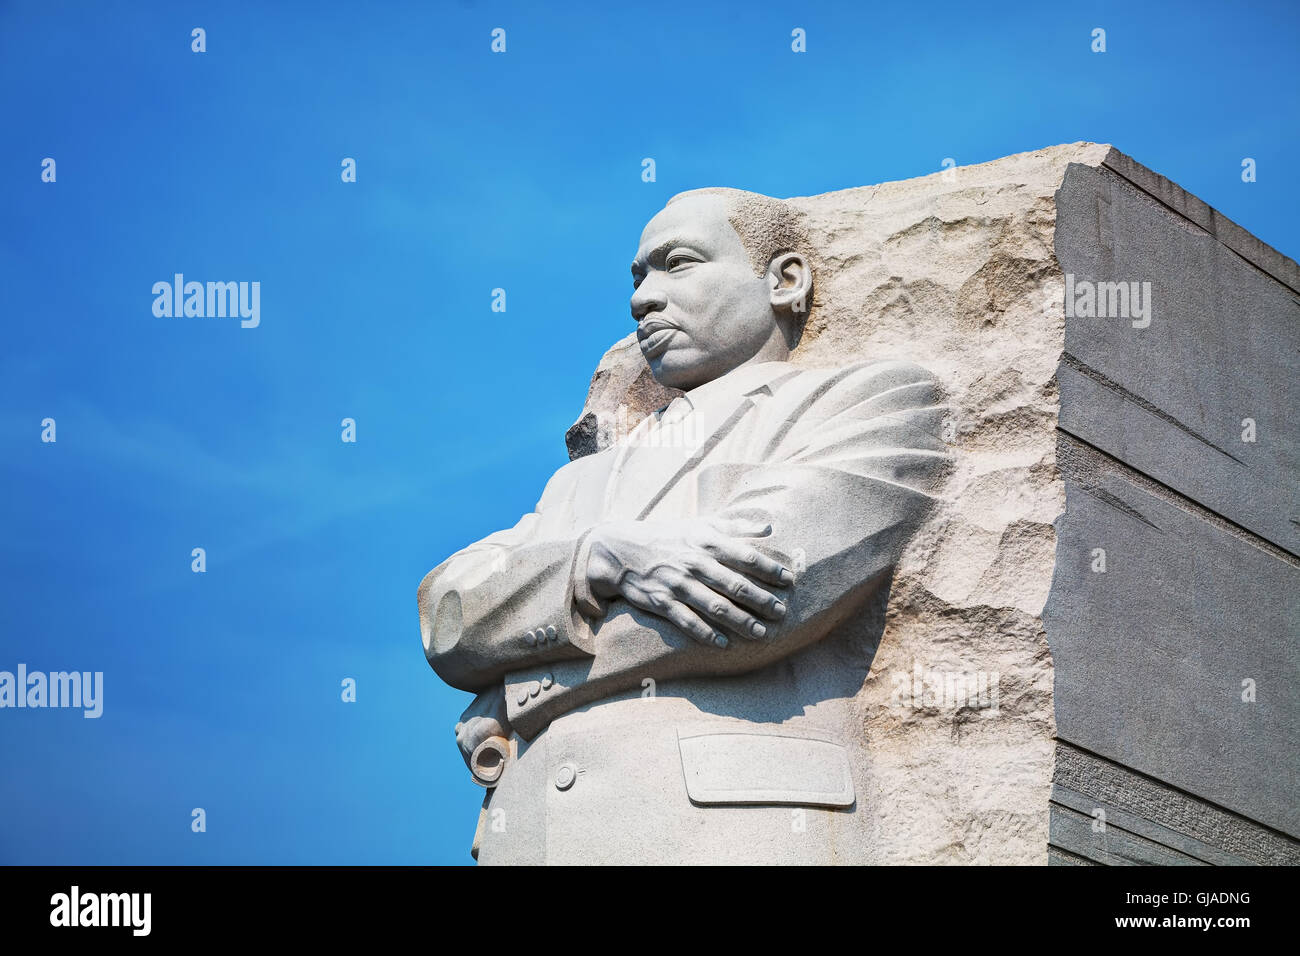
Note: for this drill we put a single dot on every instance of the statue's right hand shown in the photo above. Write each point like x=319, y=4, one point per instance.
x=485, y=717
x=698, y=573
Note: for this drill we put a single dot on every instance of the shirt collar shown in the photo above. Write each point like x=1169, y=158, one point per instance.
x=734, y=385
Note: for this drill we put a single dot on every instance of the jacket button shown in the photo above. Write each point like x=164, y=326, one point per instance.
x=565, y=776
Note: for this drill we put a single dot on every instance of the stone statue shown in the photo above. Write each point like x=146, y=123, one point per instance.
x=665, y=651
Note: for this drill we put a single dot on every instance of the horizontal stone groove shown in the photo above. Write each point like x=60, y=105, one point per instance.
x=1101, y=379
x=1157, y=833
x=1178, y=856
x=1089, y=454
x=1201, y=226
x=1171, y=807
x=1068, y=857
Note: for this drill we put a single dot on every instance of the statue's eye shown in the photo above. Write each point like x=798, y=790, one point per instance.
x=676, y=261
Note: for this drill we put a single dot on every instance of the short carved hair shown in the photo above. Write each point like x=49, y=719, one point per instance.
x=767, y=227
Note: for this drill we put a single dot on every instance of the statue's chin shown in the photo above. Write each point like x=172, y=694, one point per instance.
x=672, y=374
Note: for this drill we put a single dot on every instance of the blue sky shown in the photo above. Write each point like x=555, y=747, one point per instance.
x=475, y=171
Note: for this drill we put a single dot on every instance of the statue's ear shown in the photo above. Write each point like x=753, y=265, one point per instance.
x=790, y=278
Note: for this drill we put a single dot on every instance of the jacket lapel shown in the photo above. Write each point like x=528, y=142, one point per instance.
x=659, y=453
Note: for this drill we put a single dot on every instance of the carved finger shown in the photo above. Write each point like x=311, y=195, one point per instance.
x=663, y=604
x=748, y=560
x=718, y=610
x=739, y=589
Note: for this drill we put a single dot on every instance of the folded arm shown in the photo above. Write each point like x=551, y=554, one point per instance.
x=501, y=604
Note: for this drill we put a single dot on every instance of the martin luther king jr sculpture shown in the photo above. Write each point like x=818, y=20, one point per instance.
x=665, y=652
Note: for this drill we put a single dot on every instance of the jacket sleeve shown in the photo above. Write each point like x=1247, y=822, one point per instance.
x=843, y=481
x=503, y=603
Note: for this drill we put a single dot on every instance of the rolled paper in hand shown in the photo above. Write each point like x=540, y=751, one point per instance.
x=488, y=761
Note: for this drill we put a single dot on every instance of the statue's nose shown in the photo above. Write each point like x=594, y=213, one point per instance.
x=646, y=299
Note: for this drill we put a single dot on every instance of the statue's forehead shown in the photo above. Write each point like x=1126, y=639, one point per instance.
x=703, y=218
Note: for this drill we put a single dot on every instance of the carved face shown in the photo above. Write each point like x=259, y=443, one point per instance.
x=700, y=309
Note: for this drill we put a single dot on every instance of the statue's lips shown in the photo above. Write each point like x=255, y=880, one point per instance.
x=656, y=343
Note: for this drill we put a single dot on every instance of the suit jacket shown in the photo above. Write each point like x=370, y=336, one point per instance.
x=636, y=743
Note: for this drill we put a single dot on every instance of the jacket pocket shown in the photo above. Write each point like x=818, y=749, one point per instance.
x=783, y=766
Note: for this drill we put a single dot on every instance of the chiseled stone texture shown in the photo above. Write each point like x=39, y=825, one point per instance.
x=957, y=273
x=1148, y=822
